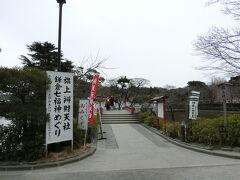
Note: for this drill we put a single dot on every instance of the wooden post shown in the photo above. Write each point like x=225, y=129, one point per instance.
x=225, y=112
x=46, y=150
x=165, y=115
x=158, y=120
x=100, y=126
x=186, y=118
x=72, y=144
x=85, y=137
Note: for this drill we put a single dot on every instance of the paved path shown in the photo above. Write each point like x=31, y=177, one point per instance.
x=133, y=152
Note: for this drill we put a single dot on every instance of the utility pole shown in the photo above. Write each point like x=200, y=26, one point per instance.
x=60, y=2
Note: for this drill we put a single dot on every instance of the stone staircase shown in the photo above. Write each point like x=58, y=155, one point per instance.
x=118, y=117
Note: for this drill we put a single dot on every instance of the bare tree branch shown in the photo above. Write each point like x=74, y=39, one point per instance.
x=231, y=7
x=140, y=82
x=221, y=48
x=90, y=65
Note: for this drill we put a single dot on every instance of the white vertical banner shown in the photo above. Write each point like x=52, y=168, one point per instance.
x=96, y=108
x=59, y=104
x=83, y=114
x=160, y=110
x=193, y=104
x=193, y=109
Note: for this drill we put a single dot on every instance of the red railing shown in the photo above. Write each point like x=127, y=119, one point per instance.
x=130, y=109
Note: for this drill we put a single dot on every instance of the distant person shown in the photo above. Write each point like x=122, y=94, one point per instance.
x=111, y=100
x=115, y=102
x=107, y=105
x=119, y=103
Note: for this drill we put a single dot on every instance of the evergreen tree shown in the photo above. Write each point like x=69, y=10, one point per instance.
x=44, y=56
x=26, y=108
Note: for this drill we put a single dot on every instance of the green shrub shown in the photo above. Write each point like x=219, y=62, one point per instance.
x=93, y=128
x=173, y=129
x=147, y=119
x=162, y=124
x=150, y=120
x=142, y=116
x=78, y=135
x=233, y=137
x=205, y=130
x=202, y=130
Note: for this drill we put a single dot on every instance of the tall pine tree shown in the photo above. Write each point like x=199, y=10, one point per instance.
x=44, y=56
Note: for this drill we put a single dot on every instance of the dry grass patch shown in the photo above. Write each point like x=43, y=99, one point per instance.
x=53, y=156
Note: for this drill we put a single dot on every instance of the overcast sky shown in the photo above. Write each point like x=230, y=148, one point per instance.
x=149, y=39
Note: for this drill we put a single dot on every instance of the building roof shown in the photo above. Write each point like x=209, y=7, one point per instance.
x=159, y=98
x=226, y=83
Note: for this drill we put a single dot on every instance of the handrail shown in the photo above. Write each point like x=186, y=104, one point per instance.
x=129, y=108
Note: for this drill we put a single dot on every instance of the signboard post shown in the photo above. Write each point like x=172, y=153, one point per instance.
x=159, y=104
x=83, y=117
x=161, y=114
x=224, y=94
x=59, y=105
x=83, y=114
x=160, y=110
x=193, y=104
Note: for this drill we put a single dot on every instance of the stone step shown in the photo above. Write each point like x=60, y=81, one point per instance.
x=120, y=122
x=119, y=117
x=123, y=115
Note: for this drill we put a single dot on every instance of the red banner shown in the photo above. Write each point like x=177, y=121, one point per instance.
x=92, y=97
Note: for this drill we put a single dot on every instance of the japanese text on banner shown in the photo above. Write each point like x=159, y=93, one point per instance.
x=92, y=97
x=60, y=107
x=83, y=114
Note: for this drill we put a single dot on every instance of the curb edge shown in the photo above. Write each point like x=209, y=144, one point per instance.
x=56, y=163
x=188, y=146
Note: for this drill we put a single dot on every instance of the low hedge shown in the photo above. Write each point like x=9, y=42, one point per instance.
x=203, y=130
x=206, y=130
x=169, y=128
x=141, y=116
x=173, y=129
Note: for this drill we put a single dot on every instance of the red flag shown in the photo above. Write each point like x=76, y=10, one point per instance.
x=92, y=97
